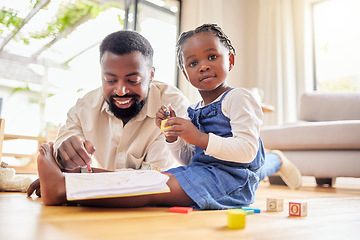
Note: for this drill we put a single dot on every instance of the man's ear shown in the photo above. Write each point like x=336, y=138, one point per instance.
x=152, y=73
x=231, y=61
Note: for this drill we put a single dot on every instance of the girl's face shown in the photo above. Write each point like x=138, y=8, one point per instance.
x=206, y=61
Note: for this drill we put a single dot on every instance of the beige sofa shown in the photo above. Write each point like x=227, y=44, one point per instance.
x=325, y=142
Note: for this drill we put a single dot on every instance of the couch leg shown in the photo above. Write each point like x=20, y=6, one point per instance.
x=325, y=181
x=276, y=180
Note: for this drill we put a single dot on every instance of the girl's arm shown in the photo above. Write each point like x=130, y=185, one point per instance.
x=182, y=151
x=174, y=128
x=245, y=119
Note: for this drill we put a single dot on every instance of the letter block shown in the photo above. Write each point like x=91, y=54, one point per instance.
x=298, y=209
x=274, y=204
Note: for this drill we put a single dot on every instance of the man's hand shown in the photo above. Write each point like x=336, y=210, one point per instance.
x=34, y=186
x=74, y=152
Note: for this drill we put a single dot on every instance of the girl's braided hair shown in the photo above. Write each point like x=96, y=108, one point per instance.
x=211, y=28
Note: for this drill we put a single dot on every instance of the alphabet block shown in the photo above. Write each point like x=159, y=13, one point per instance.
x=298, y=209
x=274, y=204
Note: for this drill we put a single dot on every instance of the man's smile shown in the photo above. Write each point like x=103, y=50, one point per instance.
x=123, y=102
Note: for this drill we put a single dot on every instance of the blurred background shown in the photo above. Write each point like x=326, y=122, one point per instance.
x=49, y=51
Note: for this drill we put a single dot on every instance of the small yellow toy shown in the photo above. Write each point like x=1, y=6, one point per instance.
x=162, y=125
x=236, y=218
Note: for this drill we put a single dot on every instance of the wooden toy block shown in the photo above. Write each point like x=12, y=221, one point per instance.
x=236, y=218
x=298, y=209
x=274, y=204
x=181, y=209
x=162, y=128
x=256, y=210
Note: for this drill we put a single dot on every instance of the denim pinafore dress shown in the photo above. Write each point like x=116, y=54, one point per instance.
x=213, y=183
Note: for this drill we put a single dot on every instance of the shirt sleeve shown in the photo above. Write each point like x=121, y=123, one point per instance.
x=158, y=152
x=245, y=116
x=158, y=155
x=182, y=151
x=71, y=127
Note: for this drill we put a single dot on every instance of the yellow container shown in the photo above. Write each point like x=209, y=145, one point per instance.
x=162, y=125
x=236, y=218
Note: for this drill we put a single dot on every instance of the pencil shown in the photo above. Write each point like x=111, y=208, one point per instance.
x=167, y=112
x=89, y=168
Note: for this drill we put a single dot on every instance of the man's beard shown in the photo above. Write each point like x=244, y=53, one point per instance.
x=127, y=113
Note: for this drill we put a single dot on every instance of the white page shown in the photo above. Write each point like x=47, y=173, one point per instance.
x=114, y=184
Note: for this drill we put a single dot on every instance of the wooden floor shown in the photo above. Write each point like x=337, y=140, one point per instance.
x=333, y=213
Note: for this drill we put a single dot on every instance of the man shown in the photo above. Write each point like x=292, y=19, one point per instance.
x=119, y=118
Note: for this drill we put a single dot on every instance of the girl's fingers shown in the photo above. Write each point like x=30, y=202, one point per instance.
x=172, y=111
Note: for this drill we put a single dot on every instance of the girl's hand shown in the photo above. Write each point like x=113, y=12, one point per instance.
x=180, y=127
x=162, y=115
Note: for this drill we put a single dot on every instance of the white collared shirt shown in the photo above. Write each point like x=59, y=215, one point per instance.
x=138, y=144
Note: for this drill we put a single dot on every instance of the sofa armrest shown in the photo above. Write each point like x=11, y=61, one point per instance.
x=316, y=107
x=313, y=135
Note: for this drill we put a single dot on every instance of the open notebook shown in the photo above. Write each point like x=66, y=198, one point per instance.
x=114, y=184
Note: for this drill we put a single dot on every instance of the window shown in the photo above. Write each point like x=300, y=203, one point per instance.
x=36, y=90
x=45, y=90
x=336, y=29
x=158, y=21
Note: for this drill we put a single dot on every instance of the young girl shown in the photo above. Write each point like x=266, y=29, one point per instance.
x=219, y=146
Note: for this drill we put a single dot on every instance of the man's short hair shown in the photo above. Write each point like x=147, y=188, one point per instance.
x=125, y=42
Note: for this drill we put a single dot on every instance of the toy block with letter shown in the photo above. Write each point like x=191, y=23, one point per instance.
x=274, y=204
x=298, y=209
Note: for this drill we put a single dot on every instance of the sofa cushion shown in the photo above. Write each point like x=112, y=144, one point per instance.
x=316, y=107
x=313, y=135
x=326, y=163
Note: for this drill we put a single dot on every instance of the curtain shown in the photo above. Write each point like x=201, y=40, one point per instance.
x=283, y=73
x=276, y=66
x=194, y=14
x=273, y=44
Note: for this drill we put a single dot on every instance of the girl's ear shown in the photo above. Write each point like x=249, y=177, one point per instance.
x=231, y=61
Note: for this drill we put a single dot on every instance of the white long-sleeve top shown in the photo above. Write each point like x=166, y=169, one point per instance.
x=246, y=117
